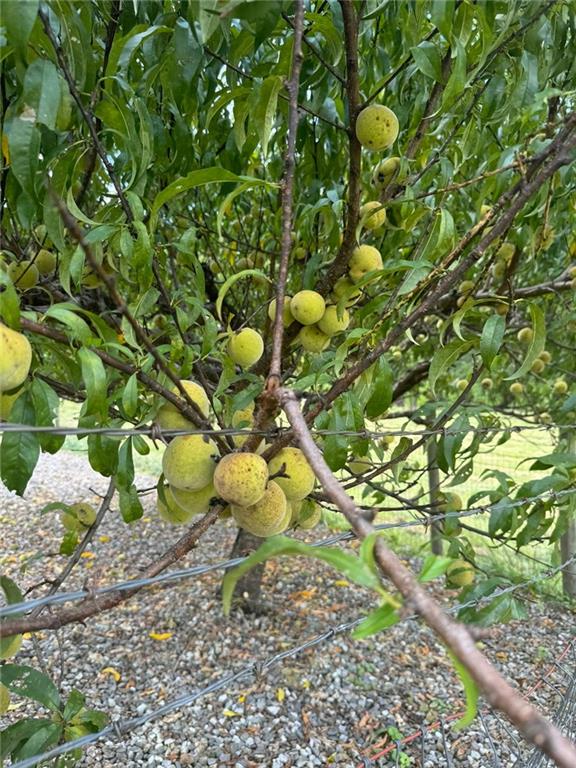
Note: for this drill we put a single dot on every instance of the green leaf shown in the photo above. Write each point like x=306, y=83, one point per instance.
x=471, y=691
x=103, y=454
x=19, y=451
x=427, y=59
x=11, y=590
x=381, y=618
x=265, y=110
x=433, y=567
x=446, y=357
x=19, y=733
x=26, y=681
x=13, y=595
x=263, y=16
x=67, y=315
x=130, y=396
x=18, y=19
x=46, y=405
x=230, y=282
x=130, y=505
x=44, y=737
x=224, y=98
x=124, y=48
x=554, y=460
x=196, y=179
x=24, y=147
x=382, y=389
x=94, y=376
x=536, y=345
x=348, y=564
x=42, y=91
x=491, y=339
x=441, y=13
x=457, y=80
x=10, y=304
x=74, y=704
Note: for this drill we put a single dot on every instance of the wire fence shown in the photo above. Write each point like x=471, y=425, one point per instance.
x=198, y=570
x=119, y=728
x=276, y=431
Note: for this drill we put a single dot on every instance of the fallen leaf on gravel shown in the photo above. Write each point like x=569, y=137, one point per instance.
x=242, y=698
x=280, y=694
x=87, y=555
x=304, y=594
x=111, y=671
x=160, y=635
x=230, y=713
x=104, y=539
x=341, y=583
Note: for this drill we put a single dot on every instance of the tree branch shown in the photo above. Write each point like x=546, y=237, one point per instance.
x=340, y=263
x=287, y=199
x=94, y=605
x=457, y=637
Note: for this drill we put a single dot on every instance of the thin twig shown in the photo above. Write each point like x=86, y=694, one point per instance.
x=292, y=86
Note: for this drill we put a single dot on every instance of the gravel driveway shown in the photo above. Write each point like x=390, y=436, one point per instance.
x=330, y=705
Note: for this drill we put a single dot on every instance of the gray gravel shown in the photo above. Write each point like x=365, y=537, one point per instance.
x=330, y=705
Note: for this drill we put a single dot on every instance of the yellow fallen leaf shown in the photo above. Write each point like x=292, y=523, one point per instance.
x=342, y=583
x=280, y=694
x=242, y=698
x=160, y=635
x=111, y=671
x=305, y=683
x=87, y=555
x=104, y=539
x=230, y=713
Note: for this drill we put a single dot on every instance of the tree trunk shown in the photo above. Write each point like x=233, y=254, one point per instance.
x=433, y=496
x=247, y=595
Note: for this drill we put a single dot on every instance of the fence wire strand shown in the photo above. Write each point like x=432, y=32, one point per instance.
x=199, y=570
x=155, y=432
x=119, y=728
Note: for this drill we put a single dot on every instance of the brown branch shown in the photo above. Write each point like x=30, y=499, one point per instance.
x=292, y=86
x=56, y=583
x=150, y=383
x=93, y=604
x=340, y=263
x=430, y=108
x=534, y=727
x=93, y=155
